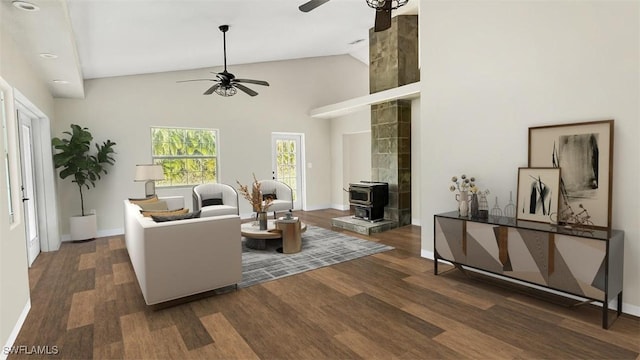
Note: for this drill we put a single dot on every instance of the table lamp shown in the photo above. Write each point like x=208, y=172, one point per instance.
x=149, y=173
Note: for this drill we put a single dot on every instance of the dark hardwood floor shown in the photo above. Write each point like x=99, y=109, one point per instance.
x=86, y=304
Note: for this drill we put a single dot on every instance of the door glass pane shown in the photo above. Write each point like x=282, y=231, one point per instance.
x=29, y=190
x=286, y=163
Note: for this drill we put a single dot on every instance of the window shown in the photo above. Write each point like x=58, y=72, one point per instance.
x=188, y=156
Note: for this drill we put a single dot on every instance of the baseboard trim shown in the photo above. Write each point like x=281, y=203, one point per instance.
x=340, y=207
x=317, y=207
x=626, y=307
x=101, y=233
x=16, y=330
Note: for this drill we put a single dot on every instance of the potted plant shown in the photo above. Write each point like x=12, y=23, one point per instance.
x=75, y=158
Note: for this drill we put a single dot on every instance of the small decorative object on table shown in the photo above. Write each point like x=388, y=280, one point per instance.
x=289, y=215
x=483, y=204
x=463, y=186
x=260, y=205
x=474, y=206
x=478, y=205
x=510, y=209
x=496, y=211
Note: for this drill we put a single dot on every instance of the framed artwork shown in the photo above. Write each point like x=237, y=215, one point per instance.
x=538, y=194
x=584, y=153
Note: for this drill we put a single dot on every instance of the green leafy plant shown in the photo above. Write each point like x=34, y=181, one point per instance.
x=75, y=158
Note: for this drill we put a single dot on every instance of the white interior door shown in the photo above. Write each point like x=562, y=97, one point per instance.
x=287, y=154
x=29, y=186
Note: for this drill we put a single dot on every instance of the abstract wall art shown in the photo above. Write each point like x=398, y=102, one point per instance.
x=584, y=153
x=538, y=193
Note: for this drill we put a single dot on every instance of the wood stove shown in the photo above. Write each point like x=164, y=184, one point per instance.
x=369, y=199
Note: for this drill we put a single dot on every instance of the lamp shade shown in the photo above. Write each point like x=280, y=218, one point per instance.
x=147, y=172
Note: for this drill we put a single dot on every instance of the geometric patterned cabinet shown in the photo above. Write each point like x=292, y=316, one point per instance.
x=587, y=264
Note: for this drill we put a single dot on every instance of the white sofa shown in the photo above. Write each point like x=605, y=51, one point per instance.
x=179, y=258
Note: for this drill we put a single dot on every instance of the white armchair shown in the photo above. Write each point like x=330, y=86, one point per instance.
x=283, y=195
x=215, y=200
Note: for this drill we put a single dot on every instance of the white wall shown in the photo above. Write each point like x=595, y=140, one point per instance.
x=356, y=157
x=357, y=122
x=491, y=70
x=123, y=109
x=15, y=72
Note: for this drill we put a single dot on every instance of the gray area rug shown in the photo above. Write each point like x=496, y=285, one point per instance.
x=320, y=247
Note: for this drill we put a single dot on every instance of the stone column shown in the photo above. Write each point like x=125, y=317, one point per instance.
x=393, y=56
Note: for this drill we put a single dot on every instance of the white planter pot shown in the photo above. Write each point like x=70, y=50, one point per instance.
x=83, y=227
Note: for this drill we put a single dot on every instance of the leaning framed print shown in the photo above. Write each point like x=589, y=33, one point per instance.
x=584, y=153
x=538, y=194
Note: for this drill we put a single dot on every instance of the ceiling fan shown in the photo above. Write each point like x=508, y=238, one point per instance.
x=383, y=10
x=225, y=82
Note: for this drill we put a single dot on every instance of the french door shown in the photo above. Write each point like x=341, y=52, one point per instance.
x=287, y=160
x=29, y=186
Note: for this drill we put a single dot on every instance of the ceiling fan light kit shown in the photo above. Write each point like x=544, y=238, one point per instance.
x=226, y=84
x=380, y=4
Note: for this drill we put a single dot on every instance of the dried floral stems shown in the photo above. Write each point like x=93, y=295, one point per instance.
x=255, y=196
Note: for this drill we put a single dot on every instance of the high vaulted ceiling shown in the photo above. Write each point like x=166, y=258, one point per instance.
x=104, y=38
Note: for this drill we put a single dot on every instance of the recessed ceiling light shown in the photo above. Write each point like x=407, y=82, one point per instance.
x=26, y=6
x=48, y=56
x=61, y=81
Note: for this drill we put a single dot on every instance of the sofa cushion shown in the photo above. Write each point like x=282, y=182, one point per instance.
x=165, y=218
x=149, y=199
x=212, y=201
x=159, y=205
x=165, y=212
x=218, y=210
x=271, y=196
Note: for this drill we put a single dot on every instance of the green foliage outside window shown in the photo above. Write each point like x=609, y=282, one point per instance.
x=188, y=156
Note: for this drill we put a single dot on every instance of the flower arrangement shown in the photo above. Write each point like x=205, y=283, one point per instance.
x=255, y=196
x=463, y=184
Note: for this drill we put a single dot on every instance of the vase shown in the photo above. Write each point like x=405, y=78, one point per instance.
x=483, y=206
x=262, y=220
x=474, y=206
x=463, y=203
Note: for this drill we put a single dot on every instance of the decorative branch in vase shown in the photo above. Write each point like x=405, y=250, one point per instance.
x=255, y=198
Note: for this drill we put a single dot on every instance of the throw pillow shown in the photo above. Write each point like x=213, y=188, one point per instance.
x=159, y=205
x=165, y=212
x=271, y=196
x=146, y=200
x=191, y=215
x=212, y=201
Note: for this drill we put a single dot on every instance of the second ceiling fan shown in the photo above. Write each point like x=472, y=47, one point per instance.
x=383, y=10
x=225, y=82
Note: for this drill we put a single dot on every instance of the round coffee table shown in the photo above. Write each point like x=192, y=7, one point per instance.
x=256, y=238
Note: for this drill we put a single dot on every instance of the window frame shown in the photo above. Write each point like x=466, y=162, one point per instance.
x=155, y=157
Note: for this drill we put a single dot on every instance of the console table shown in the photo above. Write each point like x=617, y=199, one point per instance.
x=582, y=262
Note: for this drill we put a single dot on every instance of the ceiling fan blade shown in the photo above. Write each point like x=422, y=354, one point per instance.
x=211, y=89
x=383, y=18
x=245, y=89
x=249, y=81
x=181, y=81
x=308, y=6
